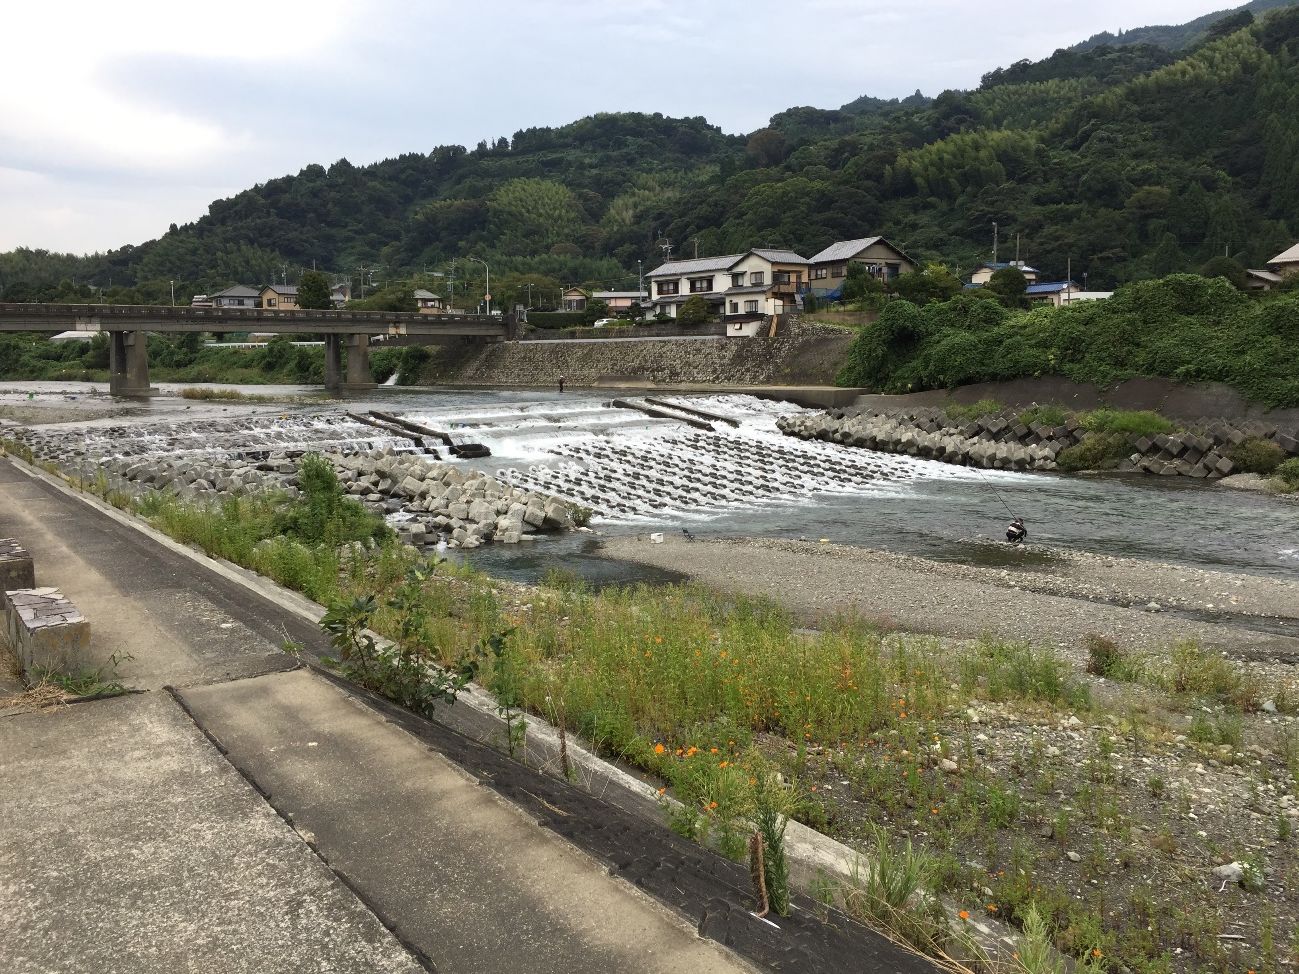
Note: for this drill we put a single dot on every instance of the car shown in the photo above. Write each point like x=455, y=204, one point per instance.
x=605, y=321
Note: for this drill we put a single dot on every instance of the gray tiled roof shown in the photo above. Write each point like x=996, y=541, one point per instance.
x=618, y=294
x=237, y=291
x=779, y=256
x=678, y=268
x=289, y=289
x=423, y=295
x=749, y=289
x=1286, y=257
x=843, y=250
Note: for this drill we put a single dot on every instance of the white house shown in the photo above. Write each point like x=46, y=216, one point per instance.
x=759, y=282
x=984, y=272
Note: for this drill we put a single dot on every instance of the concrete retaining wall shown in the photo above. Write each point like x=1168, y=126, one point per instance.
x=801, y=355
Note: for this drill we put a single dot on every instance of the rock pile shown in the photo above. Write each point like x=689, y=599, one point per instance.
x=1003, y=442
x=429, y=500
x=927, y=438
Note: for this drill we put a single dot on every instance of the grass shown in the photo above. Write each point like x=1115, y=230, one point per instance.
x=964, y=413
x=229, y=395
x=1127, y=422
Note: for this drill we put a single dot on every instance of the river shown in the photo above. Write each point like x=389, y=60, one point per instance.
x=650, y=474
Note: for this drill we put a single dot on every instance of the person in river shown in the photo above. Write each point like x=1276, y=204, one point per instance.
x=1016, y=532
x=561, y=383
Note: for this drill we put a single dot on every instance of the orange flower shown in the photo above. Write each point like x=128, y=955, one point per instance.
x=662, y=790
x=659, y=748
x=964, y=914
x=902, y=715
x=992, y=907
x=1096, y=952
x=933, y=811
x=712, y=750
x=712, y=805
x=724, y=764
x=692, y=751
x=658, y=640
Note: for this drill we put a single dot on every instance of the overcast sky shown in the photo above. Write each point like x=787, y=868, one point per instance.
x=117, y=119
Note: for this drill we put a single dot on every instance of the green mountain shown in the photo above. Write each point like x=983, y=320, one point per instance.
x=1122, y=163
x=1178, y=37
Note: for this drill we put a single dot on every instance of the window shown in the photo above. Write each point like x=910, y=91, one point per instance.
x=750, y=307
x=270, y=302
x=701, y=285
x=892, y=270
x=735, y=307
x=669, y=287
x=839, y=270
x=786, y=277
x=758, y=277
x=819, y=273
x=737, y=280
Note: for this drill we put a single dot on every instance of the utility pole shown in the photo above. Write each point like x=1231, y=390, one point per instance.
x=173, y=294
x=640, y=277
x=1068, y=282
x=1017, y=261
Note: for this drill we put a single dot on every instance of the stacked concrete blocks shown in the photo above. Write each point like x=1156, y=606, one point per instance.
x=43, y=628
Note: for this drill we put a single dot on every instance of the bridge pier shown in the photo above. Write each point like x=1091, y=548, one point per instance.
x=348, y=372
x=128, y=364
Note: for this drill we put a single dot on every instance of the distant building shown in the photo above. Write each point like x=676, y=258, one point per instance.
x=429, y=303
x=761, y=281
x=1285, y=263
x=1060, y=293
x=201, y=301
x=340, y=294
x=983, y=274
x=574, y=299
x=280, y=297
x=1261, y=280
x=238, y=296
x=620, y=300
x=829, y=269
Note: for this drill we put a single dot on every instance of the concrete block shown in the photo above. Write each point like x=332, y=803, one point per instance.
x=16, y=569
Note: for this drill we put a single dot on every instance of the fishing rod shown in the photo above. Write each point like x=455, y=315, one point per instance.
x=996, y=492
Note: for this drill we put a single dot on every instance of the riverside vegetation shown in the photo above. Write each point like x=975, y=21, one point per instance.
x=1089, y=807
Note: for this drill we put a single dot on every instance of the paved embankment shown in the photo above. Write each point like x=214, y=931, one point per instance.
x=1043, y=595
x=257, y=816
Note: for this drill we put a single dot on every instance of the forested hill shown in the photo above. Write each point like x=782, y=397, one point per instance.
x=1130, y=162
x=1177, y=37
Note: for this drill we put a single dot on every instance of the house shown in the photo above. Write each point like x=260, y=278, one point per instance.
x=200, y=301
x=761, y=281
x=1262, y=280
x=573, y=299
x=620, y=301
x=829, y=269
x=280, y=297
x=340, y=294
x=985, y=271
x=1052, y=292
x=238, y=296
x=428, y=302
x=1285, y=263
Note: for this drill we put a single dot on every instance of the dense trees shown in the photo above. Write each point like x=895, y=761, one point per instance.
x=1127, y=162
x=313, y=291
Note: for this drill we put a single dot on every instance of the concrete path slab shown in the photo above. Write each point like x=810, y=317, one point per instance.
x=460, y=873
x=128, y=844
x=180, y=624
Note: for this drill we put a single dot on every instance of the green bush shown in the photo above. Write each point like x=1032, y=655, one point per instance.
x=1097, y=451
x=1256, y=455
x=1049, y=415
x=963, y=414
x=1288, y=473
x=556, y=319
x=1127, y=423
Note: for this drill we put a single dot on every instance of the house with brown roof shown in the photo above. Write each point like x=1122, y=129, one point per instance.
x=829, y=269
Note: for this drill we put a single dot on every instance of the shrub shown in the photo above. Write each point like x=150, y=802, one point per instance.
x=1097, y=451
x=1140, y=423
x=1288, y=473
x=1048, y=415
x=961, y=414
x=1256, y=455
x=1195, y=672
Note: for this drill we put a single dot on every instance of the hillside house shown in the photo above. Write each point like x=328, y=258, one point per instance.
x=761, y=281
x=429, y=303
x=1285, y=263
x=983, y=274
x=238, y=296
x=574, y=299
x=340, y=294
x=279, y=297
x=829, y=269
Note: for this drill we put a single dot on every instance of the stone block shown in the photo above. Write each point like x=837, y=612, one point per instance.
x=16, y=569
x=46, y=631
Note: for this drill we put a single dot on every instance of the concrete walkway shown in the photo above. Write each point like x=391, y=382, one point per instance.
x=129, y=842
x=248, y=814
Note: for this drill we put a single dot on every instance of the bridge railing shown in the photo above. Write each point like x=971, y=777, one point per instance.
x=226, y=315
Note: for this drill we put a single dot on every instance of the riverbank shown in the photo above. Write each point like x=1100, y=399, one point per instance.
x=1050, y=596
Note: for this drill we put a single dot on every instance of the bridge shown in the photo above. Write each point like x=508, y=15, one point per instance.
x=347, y=334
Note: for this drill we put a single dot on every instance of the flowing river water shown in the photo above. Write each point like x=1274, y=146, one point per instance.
x=646, y=474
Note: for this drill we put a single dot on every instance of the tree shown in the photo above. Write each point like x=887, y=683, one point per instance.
x=1225, y=267
x=694, y=311
x=1009, y=285
x=859, y=283
x=934, y=283
x=766, y=147
x=595, y=310
x=313, y=292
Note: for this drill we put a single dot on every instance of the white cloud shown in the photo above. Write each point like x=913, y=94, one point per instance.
x=118, y=119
